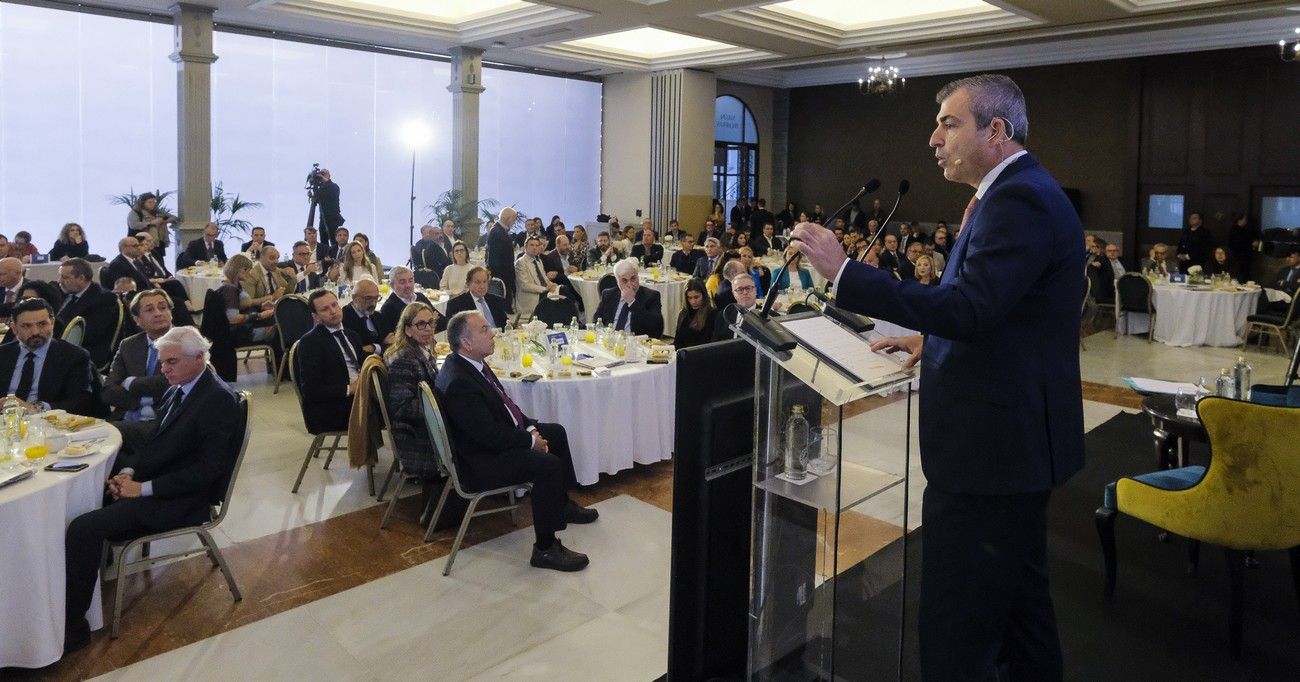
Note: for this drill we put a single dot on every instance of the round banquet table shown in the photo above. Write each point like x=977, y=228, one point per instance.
x=198, y=283
x=33, y=517
x=49, y=272
x=612, y=421
x=670, y=288
x=1196, y=317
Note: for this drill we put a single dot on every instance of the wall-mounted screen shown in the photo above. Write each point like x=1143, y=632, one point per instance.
x=1283, y=212
x=1165, y=211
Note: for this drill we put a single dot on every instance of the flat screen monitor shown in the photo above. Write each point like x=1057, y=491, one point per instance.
x=1165, y=211
x=1279, y=212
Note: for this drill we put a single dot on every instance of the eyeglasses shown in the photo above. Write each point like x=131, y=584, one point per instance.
x=422, y=325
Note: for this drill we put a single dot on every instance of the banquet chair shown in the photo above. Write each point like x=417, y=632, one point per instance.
x=441, y=443
x=1247, y=500
x=318, y=439
x=1133, y=295
x=216, y=328
x=117, y=336
x=607, y=282
x=380, y=381
x=497, y=286
x=550, y=310
x=75, y=331
x=1083, y=313
x=292, y=320
x=1268, y=325
x=122, y=567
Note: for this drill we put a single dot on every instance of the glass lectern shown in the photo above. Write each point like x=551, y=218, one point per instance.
x=830, y=473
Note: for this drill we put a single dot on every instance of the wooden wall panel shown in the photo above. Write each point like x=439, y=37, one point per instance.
x=1225, y=102
x=1166, y=125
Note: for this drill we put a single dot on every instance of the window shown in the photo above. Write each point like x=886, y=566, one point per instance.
x=1279, y=212
x=735, y=152
x=1165, y=211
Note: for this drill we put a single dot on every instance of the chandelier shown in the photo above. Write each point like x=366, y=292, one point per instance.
x=882, y=79
x=1287, y=51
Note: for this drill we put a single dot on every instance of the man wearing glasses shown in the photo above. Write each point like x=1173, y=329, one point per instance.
x=362, y=317
x=1157, y=261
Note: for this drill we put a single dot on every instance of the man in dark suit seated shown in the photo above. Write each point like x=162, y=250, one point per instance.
x=647, y=251
x=40, y=370
x=306, y=272
x=161, y=278
x=329, y=360
x=1286, y=280
x=402, y=281
x=766, y=241
x=1100, y=272
x=745, y=297
x=476, y=297
x=168, y=473
x=207, y=248
x=684, y=260
x=630, y=306
x=84, y=298
x=11, y=284
x=363, y=318
x=704, y=265
x=604, y=252
x=496, y=445
x=319, y=250
x=135, y=385
x=253, y=247
x=429, y=254
x=891, y=257
x=126, y=264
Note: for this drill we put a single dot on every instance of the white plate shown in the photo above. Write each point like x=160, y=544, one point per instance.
x=64, y=454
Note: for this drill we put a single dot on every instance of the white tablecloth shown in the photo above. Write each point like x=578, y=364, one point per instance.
x=611, y=421
x=33, y=517
x=670, y=296
x=1187, y=317
x=49, y=272
x=198, y=285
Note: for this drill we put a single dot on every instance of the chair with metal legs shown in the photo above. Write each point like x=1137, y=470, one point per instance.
x=442, y=449
x=339, y=442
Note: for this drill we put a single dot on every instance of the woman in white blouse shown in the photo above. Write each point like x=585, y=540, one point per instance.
x=454, y=275
x=357, y=266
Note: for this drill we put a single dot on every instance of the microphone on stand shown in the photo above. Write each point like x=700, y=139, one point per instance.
x=903, y=186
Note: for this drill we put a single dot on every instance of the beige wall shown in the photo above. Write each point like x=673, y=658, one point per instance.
x=695, y=190
x=759, y=101
x=625, y=146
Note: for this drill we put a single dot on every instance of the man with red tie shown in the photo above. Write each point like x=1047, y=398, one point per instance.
x=1001, y=420
x=496, y=445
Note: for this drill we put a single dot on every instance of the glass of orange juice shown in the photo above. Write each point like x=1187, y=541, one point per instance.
x=526, y=360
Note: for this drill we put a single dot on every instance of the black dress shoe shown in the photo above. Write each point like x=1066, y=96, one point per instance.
x=558, y=557
x=576, y=514
x=76, y=636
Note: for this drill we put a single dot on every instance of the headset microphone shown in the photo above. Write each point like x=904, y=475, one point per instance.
x=956, y=162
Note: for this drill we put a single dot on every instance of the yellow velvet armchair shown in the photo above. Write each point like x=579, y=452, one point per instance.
x=1248, y=498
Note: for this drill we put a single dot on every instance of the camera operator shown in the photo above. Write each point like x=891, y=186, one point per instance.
x=327, y=199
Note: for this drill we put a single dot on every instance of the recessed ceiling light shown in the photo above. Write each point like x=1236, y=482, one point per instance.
x=861, y=13
x=648, y=42
x=449, y=11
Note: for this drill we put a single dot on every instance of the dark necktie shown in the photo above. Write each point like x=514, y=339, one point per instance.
x=68, y=302
x=170, y=402
x=210, y=251
x=270, y=283
x=302, y=284
x=349, y=355
x=537, y=267
x=624, y=311
x=151, y=361
x=515, y=412
x=25, y=381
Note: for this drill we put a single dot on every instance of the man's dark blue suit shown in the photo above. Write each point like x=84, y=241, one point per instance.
x=1001, y=420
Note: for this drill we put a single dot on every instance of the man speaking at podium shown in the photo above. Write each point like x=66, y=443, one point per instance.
x=1001, y=410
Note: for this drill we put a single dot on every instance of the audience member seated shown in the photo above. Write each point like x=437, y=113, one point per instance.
x=696, y=320
x=6, y=249
x=23, y=249
x=924, y=272
x=724, y=296
x=125, y=264
x=11, y=284
x=579, y=242
x=135, y=385
x=311, y=236
x=604, y=252
x=411, y=360
x=891, y=256
x=168, y=473
x=907, y=267
x=555, y=231
x=429, y=254
x=42, y=370
x=355, y=267
x=762, y=276
x=146, y=216
x=561, y=260
x=362, y=239
x=646, y=250
x=363, y=318
x=941, y=238
x=456, y=274
x=70, y=244
x=935, y=255
x=1116, y=265
x=338, y=246
x=715, y=278
x=447, y=238
x=674, y=231
x=1099, y=272
x=329, y=361
x=477, y=298
x=1157, y=260
x=402, y=281
x=805, y=279
x=906, y=235
x=161, y=278
x=124, y=290
x=35, y=288
x=530, y=278
x=84, y=298
x=742, y=287
x=1286, y=280
x=253, y=247
x=207, y=249
x=1221, y=263
x=708, y=262
x=496, y=445
x=249, y=322
x=687, y=256
x=266, y=282
x=630, y=306
x=306, y=273
x=767, y=241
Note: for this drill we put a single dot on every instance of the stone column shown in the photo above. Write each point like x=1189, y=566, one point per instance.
x=193, y=57
x=465, y=87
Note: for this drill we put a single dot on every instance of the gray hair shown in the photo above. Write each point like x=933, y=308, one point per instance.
x=993, y=96
x=237, y=264
x=712, y=240
x=187, y=339
x=398, y=270
x=732, y=268
x=458, y=327
x=625, y=267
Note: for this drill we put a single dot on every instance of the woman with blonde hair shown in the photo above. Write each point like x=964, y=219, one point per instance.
x=410, y=361
x=924, y=271
x=354, y=267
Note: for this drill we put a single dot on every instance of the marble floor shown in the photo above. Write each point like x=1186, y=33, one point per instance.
x=325, y=591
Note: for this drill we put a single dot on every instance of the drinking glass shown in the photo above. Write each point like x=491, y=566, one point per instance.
x=1185, y=399
x=822, y=451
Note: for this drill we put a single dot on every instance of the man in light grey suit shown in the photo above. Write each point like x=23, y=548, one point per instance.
x=135, y=383
x=530, y=278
